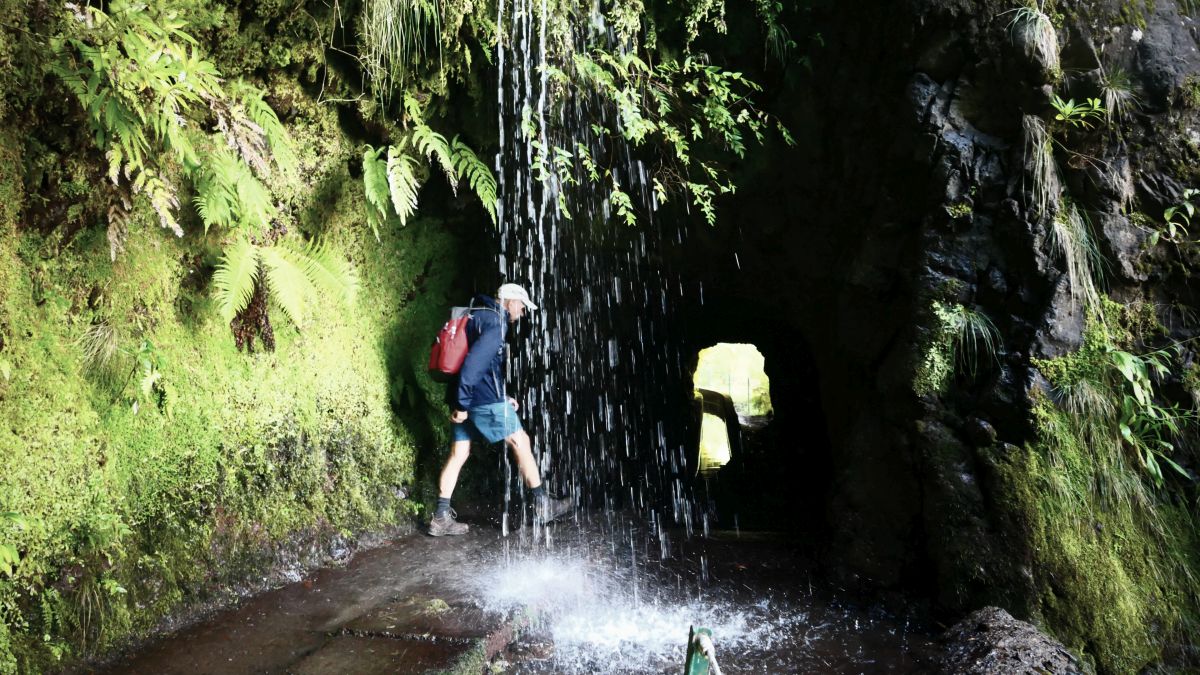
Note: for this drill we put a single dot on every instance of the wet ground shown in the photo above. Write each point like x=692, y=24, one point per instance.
x=611, y=595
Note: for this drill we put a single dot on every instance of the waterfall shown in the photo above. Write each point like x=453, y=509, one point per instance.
x=593, y=365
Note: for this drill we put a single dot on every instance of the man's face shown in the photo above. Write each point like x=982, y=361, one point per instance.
x=516, y=309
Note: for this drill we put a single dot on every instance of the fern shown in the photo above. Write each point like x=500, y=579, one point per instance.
x=276, y=136
x=375, y=184
x=235, y=278
x=287, y=284
x=477, y=175
x=329, y=273
x=402, y=182
x=434, y=146
x=118, y=223
x=146, y=89
x=163, y=198
x=229, y=195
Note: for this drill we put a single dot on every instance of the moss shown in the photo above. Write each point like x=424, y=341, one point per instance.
x=960, y=209
x=1111, y=325
x=1134, y=13
x=936, y=366
x=1113, y=557
x=141, y=505
x=1113, y=580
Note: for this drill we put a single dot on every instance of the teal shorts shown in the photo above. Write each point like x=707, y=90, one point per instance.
x=488, y=424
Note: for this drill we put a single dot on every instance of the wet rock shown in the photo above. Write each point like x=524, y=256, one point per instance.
x=990, y=640
x=1123, y=243
x=1065, y=318
x=981, y=433
x=1167, y=53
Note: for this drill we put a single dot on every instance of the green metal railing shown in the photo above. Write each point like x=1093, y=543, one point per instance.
x=701, y=654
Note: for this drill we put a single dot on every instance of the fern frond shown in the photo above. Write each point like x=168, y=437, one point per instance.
x=243, y=135
x=375, y=184
x=236, y=277
x=277, y=137
x=163, y=198
x=288, y=285
x=216, y=191
x=254, y=202
x=402, y=182
x=477, y=174
x=118, y=224
x=434, y=146
x=330, y=273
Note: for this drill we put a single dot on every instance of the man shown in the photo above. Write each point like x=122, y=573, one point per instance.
x=479, y=409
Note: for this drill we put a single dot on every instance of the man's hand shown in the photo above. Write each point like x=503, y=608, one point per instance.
x=513, y=402
x=458, y=416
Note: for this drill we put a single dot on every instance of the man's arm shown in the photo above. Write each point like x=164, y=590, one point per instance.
x=479, y=357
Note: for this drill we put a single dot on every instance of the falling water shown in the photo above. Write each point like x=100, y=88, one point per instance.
x=598, y=372
x=593, y=366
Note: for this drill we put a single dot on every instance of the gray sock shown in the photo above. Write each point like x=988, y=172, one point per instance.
x=443, y=507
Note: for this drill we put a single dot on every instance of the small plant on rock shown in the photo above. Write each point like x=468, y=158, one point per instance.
x=1117, y=90
x=1072, y=242
x=972, y=335
x=1031, y=26
x=1079, y=115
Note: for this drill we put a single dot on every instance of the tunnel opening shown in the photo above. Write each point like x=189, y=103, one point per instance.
x=758, y=438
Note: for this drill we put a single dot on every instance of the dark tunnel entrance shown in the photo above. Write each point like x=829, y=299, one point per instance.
x=758, y=446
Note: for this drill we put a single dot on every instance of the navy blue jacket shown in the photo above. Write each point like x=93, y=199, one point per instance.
x=481, y=380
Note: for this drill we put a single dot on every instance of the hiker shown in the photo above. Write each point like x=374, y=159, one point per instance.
x=480, y=410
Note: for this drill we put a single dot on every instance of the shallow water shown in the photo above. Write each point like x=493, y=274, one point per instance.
x=605, y=607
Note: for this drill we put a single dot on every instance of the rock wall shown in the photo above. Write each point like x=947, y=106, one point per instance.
x=912, y=200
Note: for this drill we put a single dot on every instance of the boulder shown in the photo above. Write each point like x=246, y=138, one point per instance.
x=990, y=640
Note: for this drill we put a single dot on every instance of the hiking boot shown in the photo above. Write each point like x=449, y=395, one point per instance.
x=551, y=510
x=445, y=524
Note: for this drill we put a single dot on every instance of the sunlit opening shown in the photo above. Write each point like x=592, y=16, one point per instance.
x=714, y=443
x=738, y=372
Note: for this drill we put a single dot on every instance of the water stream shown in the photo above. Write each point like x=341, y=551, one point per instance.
x=592, y=367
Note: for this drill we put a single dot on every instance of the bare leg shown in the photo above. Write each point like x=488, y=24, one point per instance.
x=459, y=451
x=523, y=452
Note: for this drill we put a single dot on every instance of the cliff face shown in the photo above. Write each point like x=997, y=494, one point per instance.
x=956, y=286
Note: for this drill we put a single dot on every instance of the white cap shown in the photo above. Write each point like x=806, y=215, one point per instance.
x=515, y=292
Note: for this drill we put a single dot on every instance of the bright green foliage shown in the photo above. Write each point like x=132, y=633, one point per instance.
x=393, y=186
x=293, y=278
x=1178, y=218
x=1078, y=114
x=957, y=340
x=396, y=37
x=139, y=77
x=229, y=196
x=674, y=104
x=403, y=182
x=375, y=184
x=1110, y=392
x=10, y=557
x=477, y=175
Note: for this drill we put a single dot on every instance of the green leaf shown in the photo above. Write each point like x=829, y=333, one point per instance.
x=330, y=273
x=288, y=285
x=235, y=278
x=403, y=184
x=9, y=558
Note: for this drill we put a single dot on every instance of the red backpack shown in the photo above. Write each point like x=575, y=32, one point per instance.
x=450, y=347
